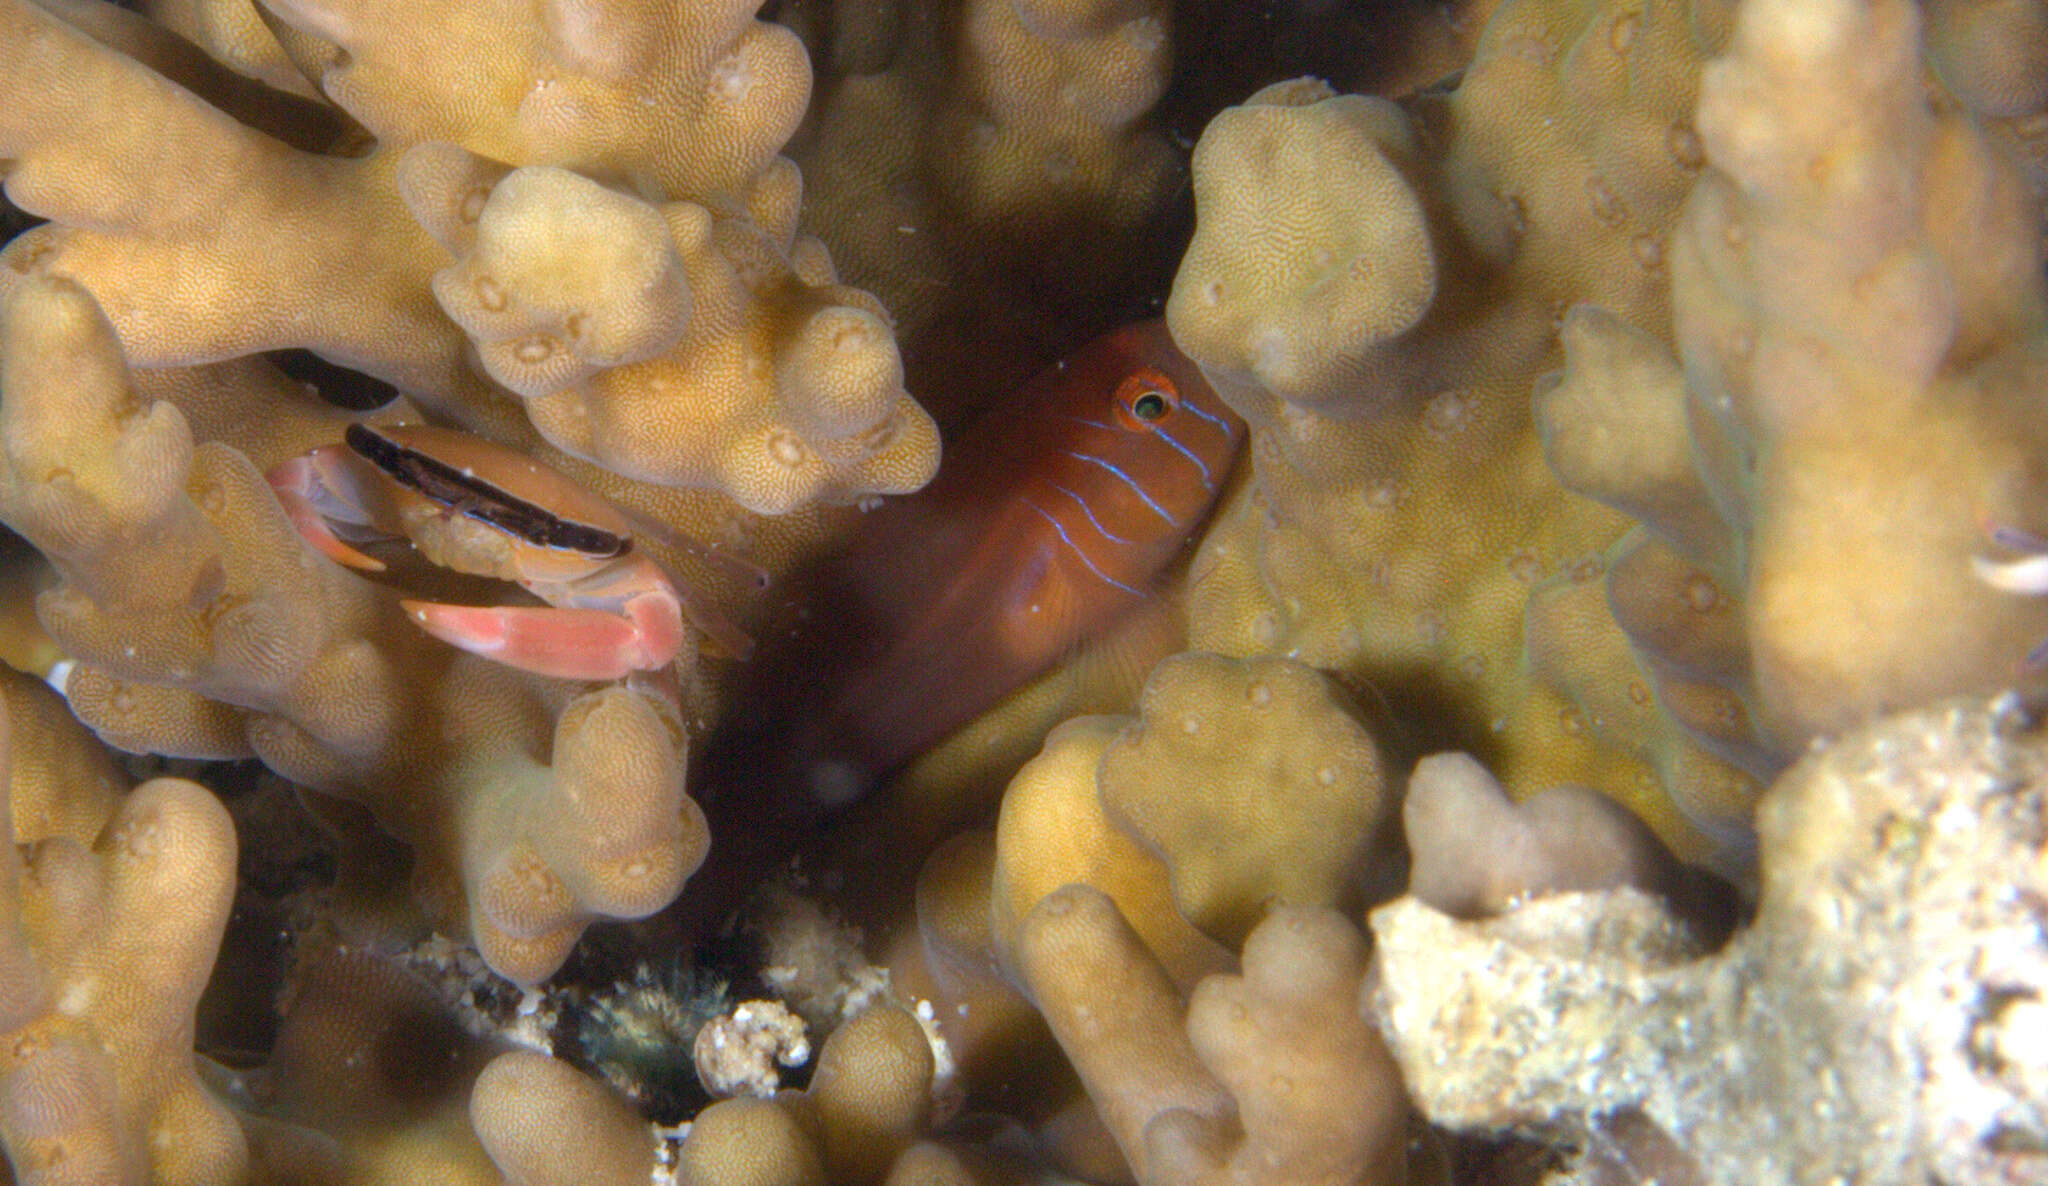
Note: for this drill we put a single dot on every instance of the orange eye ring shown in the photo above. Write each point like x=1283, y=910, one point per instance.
x=1144, y=398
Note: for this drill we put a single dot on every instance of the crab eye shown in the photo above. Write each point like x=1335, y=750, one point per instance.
x=1150, y=405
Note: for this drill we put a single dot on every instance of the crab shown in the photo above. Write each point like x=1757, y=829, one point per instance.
x=477, y=507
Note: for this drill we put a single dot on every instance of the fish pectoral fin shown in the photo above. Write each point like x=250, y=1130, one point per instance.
x=1049, y=609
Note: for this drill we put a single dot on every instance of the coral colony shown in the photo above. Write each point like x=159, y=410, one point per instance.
x=1476, y=620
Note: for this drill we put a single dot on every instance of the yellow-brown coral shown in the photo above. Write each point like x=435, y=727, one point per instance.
x=1265, y=751
x=103, y=953
x=1275, y=1078
x=1859, y=315
x=1401, y=512
x=683, y=99
x=671, y=344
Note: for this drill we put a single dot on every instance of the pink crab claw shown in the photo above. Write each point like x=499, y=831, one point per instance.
x=569, y=643
x=297, y=483
x=466, y=504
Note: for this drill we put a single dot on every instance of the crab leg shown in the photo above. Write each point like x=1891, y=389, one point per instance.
x=591, y=644
x=298, y=484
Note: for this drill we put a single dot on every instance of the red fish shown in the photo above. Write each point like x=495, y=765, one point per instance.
x=1054, y=515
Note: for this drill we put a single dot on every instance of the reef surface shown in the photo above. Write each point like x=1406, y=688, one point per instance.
x=1590, y=734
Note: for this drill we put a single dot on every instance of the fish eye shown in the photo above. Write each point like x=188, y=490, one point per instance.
x=1142, y=399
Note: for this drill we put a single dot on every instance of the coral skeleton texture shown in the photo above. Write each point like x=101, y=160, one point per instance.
x=1643, y=493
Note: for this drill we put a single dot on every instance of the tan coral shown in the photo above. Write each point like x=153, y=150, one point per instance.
x=1318, y=1096
x=1272, y=1077
x=1993, y=54
x=749, y=1142
x=1293, y=285
x=201, y=625
x=1241, y=787
x=194, y=263
x=373, y=1080
x=871, y=1094
x=1860, y=316
x=282, y=105
x=202, y=238
x=1052, y=104
x=997, y=1045
x=1053, y=832
x=524, y=1104
x=103, y=953
x=98, y=479
x=1266, y=752
x=61, y=780
x=869, y=1101
x=1476, y=853
x=945, y=154
x=1401, y=512
x=366, y=1079
x=992, y=1032
x=715, y=351
x=233, y=33
x=1989, y=55
x=930, y=1163
x=560, y=277
x=1117, y=1015
x=1887, y=347
x=1391, y=536
x=604, y=831
x=688, y=100
x=24, y=644
x=1613, y=425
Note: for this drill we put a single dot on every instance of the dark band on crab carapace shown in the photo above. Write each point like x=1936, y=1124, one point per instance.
x=471, y=496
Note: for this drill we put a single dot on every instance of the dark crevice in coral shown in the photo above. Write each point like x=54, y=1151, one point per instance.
x=337, y=384
x=13, y=219
x=1498, y=1161
x=632, y=1023
x=283, y=861
x=1230, y=49
x=1420, y=711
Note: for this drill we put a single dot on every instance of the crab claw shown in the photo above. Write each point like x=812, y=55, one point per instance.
x=297, y=483
x=584, y=644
